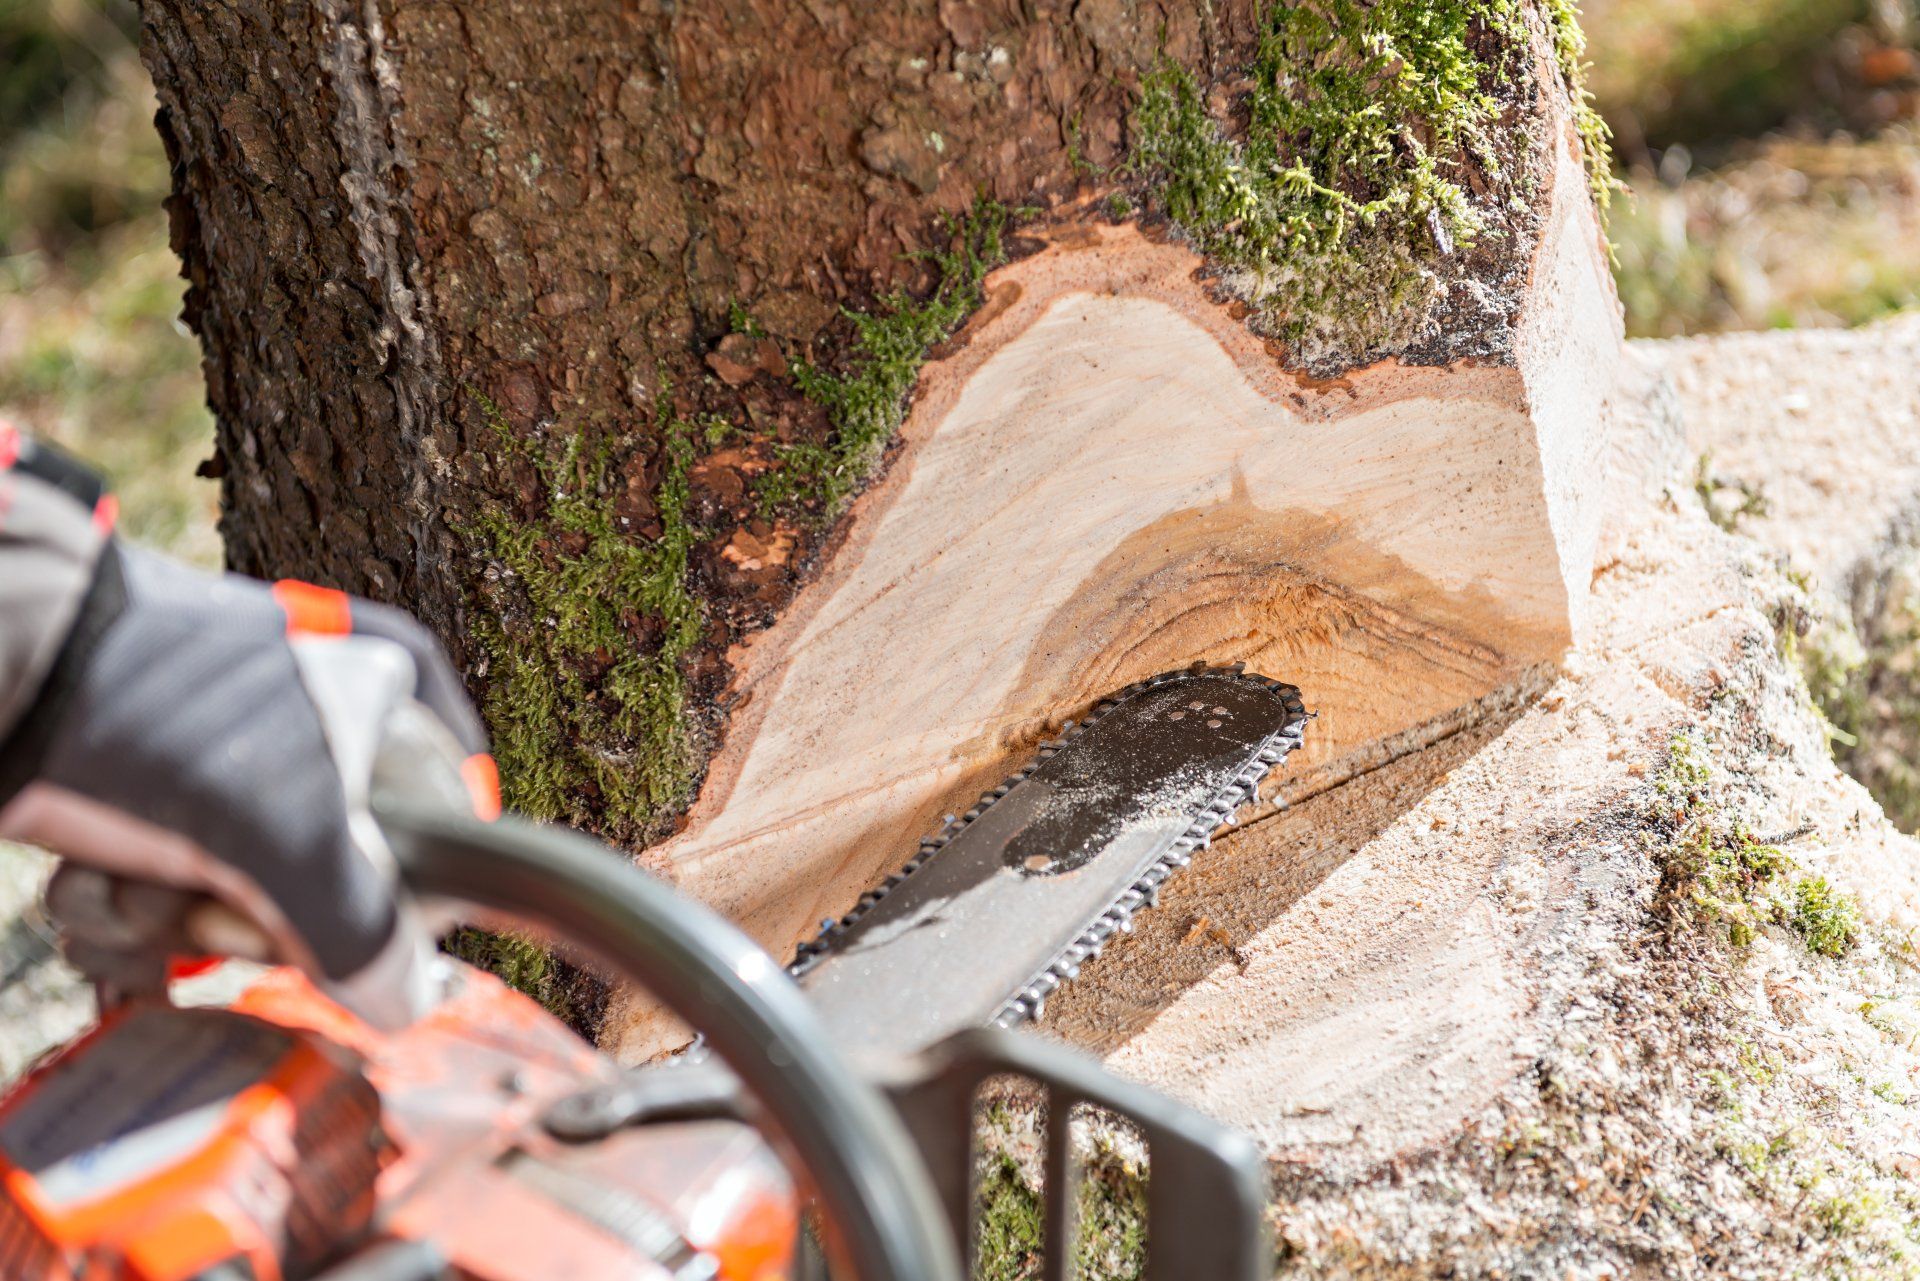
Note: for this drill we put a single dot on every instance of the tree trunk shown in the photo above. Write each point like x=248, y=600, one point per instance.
x=786, y=412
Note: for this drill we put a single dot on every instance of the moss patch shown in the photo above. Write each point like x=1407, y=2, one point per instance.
x=1009, y=1224
x=1596, y=138
x=586, y=624
x=1368, y=124
x=1828, y=920
x=1110, y=1207
x=1716, y=875
x=519, y=962
x=1728, y=502
x=1111, y=1241
x=865, y=396
x=585, y=696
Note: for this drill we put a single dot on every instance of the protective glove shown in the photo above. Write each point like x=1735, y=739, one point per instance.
x=203, y=755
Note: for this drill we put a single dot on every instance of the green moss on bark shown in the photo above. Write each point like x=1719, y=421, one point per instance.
x=1368, y=125
x=587, y=715
x=517, y=961
x=865, y=397
x=586, y=624
x=1596, y=138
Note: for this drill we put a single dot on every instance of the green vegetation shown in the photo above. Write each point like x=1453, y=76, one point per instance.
x=1828, y=920
x=585, y=696
x=91, y=354
x=78, y=152
x=1699, y=70
x=1827, y=653
x=1363, y=122
x=1790, y=233
x=866, y=399
x=1110, y=1242
x=1596, y=136
x=586, y=718
x=1728, y=502
x=1009, y=1223
x=1866, y=684
x=517, y=961
x=1805, y=110
x=1715, y=873
x=1787, y=1149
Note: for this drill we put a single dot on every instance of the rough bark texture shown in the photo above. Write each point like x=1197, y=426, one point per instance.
x=504, y=303
x=402, y=221
x=501, y=300
x=319, y=369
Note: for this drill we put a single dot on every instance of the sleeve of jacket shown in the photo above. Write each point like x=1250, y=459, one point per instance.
x=54, y=520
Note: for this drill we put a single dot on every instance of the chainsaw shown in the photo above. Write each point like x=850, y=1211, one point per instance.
x=823, y=1125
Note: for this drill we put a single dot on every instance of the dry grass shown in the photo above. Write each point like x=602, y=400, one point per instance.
x=1792, y=234
x=91, y=352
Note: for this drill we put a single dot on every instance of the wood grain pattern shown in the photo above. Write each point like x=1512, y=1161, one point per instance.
x=1111, y=478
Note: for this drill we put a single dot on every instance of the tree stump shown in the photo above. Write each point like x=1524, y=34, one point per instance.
x=787, y=413
x=585, y=329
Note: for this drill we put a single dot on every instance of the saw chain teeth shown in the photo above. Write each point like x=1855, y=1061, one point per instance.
x=1030, y=1003
x=1144, y=893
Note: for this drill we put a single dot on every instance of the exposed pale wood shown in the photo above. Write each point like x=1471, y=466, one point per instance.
x=1446, y=998
x=1111, y=477
x=1358, y=977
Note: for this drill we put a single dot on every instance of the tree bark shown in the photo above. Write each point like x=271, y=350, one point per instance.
x=407, y=225
x=574, y=327
x=583, y=329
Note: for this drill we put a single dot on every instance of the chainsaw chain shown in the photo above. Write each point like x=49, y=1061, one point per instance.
x=1030, y=1001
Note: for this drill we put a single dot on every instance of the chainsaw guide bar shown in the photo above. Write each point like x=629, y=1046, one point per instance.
x=1011, y=898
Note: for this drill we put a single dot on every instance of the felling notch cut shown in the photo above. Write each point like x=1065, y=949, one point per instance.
x=1111, y=477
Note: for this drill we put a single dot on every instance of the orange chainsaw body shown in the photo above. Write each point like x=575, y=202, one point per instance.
x=271, y=1140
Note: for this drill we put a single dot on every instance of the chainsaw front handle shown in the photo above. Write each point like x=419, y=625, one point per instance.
x=836, y=1127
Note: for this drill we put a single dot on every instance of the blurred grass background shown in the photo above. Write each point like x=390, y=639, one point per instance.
x=92, y=353
x=1773, y=148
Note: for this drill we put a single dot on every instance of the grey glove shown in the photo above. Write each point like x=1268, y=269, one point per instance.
x=203, y=754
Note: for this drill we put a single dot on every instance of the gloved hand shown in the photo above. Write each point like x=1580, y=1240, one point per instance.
x=203, y=756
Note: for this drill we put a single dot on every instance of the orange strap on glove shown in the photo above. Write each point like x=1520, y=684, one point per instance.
x=204, y=752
